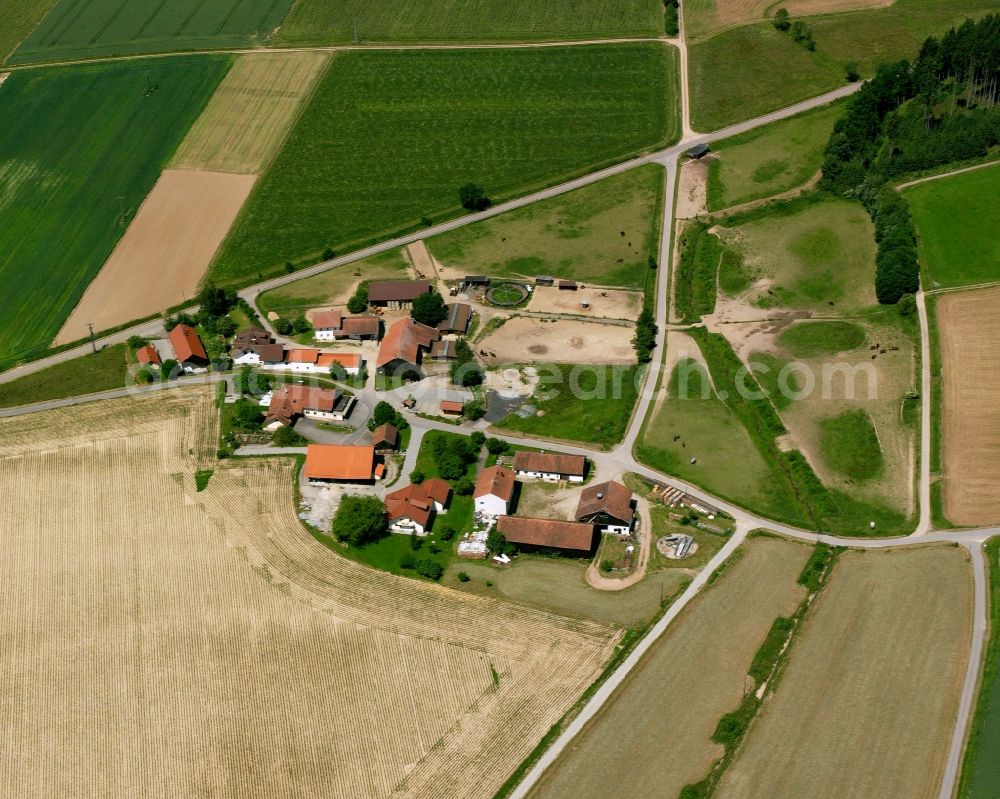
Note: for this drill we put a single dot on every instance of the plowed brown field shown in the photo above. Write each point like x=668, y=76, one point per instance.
x=161, y=642
x=165, y=251
x=969, y=330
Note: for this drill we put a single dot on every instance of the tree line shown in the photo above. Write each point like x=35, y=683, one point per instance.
x=942, y=108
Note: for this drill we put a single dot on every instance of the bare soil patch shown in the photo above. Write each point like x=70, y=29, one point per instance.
x=219, y=648
x=525, y=338
x=868, y=701
x=603, y=303
x=692, y=190
x=250, y=113
x=161, y=258
x=969, y=330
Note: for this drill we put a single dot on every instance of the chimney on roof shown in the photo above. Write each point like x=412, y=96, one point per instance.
x=600, y=495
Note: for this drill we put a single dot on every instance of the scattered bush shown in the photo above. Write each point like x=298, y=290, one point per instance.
x=463, y=577
x=417, y=477
x=495, y=446
x=465, y=486
x=782, y=19
x=644, y=340
x=447, y=533
x=430, y=569
x=287, y=437
x=359, y=520
x=407, y=561
x=429, y=309
x=136, y=342
x=359, y=302
x=473, y=198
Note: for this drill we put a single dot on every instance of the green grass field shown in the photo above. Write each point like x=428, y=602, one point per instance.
x=809, y=339
x=76, y=29
x=727, y=464
x=810, y=255
x=87, y=375
x=850, y=445
x=78, y=144
x=335, y=21
x=980, y=769
x=958, y=223
x=334, y=286
x=771, y=159
x=750, y=70
x=603, y=233
x=592, y=404
x=19, y=19
x=390, y=136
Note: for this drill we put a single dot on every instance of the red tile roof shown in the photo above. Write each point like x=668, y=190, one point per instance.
x=327, y=320
x=449, y=406
x=187, y=346
x=495, y=480
x=611, y=498
x=397, y=290
x=386, y=434
x=339, y=462
x=547, y=533
x=307, y=355
x=349, y=360
x=360, y=326
x=416, y=501
x=550, y=462
x=404, y=340
x=147, y=354
x=288, y=401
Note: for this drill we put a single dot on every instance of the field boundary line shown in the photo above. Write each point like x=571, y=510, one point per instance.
x=973, y=672
x=948, y=174
x=603, y=694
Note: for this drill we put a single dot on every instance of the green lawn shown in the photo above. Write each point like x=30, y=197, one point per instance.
x=333, y=287
x=771, y=159
x=980, y=769
x=750, y=70
x=334, y=21
x=20, y=17
x=850, y=445
x=76, y=29
x=390, y=136
x=592, y=404
x=727, y=463
x=87, y=375
x=76, y=145
x=558, y=584
x=603, y=233
x=809, y=339
x=958, y=223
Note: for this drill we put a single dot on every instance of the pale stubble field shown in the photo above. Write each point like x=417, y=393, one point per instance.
x=162, y=642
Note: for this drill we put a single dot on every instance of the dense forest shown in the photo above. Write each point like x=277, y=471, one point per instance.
x=942, y=108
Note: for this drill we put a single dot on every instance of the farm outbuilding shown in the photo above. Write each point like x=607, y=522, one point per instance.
x=608, y=505
x=397, y=293
x=341, y=463
x=459, y=315
x=188, y=349
x=452, y=408
x=494, y=490
x=550, y=466
x=549, y=535
x=698, y=151
x=568, y=285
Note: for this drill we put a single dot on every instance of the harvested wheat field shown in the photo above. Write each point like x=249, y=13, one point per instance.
x=867, y=704
x=165, y=251
x=525, y=339
x=161, y=642
x=703, y=18
x=654, y=736
x=250, y=112
x=969, y=329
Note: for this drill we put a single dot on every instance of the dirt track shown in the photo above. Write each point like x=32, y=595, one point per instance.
x=970, y=430
x=164, y=252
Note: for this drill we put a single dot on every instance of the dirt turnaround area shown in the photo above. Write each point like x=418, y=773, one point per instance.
x=867, y=704
x=165, y=251
x=602, y=303
x=164, y=642
x=525, y=339
x=969, y=329
x=654, y=736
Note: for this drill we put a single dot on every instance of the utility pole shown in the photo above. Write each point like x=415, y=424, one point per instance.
x=93, y=344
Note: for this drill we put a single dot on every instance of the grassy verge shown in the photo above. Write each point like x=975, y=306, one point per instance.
x=86, y=375
x=696, y=278
x=980, y=776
